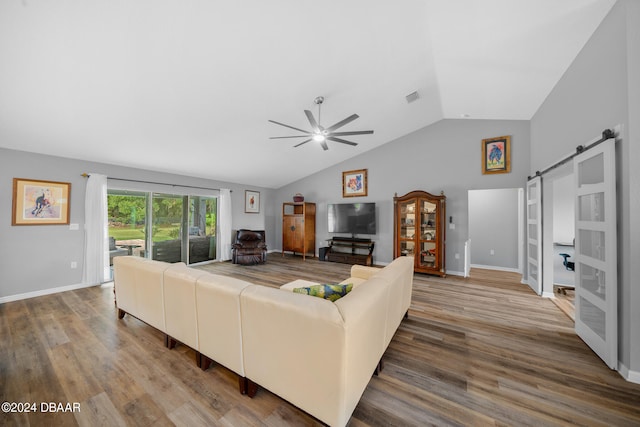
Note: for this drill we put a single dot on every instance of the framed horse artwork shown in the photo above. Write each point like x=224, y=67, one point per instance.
x=496, y=155
x=38, y=202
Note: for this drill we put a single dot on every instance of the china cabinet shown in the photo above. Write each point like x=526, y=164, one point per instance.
x=419, y=230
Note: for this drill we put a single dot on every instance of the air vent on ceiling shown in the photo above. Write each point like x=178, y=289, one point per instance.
x=413, y=96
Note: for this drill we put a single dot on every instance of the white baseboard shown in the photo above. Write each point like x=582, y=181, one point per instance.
x=455, y=273
x=493, y=267
x=43, y=292
x=631, y=376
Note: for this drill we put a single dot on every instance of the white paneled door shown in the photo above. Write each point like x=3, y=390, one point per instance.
x=596, y=299
x=534, y=233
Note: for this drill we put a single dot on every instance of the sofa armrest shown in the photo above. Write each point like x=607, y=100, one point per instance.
x=139, y=286
x=363, y=272
x=364, y=311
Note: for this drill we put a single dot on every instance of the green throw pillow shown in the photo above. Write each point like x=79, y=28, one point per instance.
x=330, y=291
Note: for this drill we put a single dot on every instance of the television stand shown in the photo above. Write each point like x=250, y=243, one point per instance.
x=349, y=250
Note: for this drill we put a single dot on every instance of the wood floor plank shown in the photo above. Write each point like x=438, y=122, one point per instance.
x=52, y=331
x=99, y=411
x=482, y=351
x=75, y=380
x=190, y=414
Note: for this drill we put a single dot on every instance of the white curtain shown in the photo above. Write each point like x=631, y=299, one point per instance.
x=96, y=242
x=225, y=224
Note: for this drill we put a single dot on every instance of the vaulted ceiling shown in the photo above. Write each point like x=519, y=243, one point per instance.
x=188, y=86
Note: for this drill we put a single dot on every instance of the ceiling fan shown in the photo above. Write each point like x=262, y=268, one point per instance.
x=321, y=134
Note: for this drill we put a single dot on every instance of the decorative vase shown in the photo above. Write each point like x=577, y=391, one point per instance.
x=298, y=198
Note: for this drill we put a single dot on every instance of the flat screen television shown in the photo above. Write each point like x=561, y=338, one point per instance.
x=354, y=218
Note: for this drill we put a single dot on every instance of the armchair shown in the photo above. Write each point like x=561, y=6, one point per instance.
x=249, y=248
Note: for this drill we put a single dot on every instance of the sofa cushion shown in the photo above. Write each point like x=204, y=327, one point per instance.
x=330, y=291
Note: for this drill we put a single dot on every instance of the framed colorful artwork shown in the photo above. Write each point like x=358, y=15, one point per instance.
x=354, y=183
x=40, y=202
x=496, y=155
x=251, y=201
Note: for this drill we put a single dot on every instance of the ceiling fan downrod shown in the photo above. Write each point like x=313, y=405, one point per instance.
x=319, y=100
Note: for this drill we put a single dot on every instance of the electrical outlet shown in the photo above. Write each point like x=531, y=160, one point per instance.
x=457, y=256
x=74, y=264
x=492, y=252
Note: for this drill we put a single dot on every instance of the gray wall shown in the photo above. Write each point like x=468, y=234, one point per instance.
x=600, y=90
x=493, y=227
x=442, y=157
x=38, y=258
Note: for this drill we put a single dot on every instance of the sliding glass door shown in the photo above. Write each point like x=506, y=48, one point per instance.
x=202, y=230
x=166, y=233
x=164, y=227
x=127, y=219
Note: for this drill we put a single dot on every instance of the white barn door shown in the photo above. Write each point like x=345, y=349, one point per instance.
x=596, y=299
x=534, y=233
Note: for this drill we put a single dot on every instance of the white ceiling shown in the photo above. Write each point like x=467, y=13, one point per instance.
x=187, y=86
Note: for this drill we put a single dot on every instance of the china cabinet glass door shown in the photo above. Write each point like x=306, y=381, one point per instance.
x=428, y=253
x=407, y=227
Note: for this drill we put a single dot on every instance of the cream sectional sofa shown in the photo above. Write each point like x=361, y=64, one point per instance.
x=317, y=354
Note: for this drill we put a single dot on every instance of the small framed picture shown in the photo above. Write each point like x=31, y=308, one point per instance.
x=251, y=201
x=38, y=202
x=354, y=183
x=496, y=155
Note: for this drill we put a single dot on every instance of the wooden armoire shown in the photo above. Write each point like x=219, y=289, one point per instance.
x=299, y=228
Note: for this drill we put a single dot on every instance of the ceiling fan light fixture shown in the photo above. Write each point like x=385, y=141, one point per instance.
x=321, y=134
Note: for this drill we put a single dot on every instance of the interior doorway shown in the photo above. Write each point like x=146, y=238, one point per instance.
x=564, y=241
x=558, y=247
x=496, y=229
x=595, y=265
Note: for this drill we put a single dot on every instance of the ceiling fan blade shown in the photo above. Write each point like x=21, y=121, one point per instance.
x=325, y=147
x=344, y=141
x=342, y=123
x=293, y=136
x=312, y=120
x=290, y=127
x=303, y=142
x=355, y=132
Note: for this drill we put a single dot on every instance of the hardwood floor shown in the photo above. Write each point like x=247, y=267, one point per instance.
x=565, y=301
x=477, y=351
